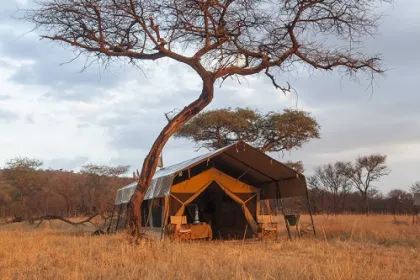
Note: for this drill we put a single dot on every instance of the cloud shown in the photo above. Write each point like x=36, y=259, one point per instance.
x=7, y=116
x=4, y=97
x=46, y=65
x=66, y=163
x=30, y=119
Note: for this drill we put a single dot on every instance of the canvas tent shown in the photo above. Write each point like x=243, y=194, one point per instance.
x=235, y=178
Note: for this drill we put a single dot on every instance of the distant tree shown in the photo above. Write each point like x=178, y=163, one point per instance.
x=101, y=188
x=334, y=179
x=365, y=171
x=399, y=201
x=415, y=187
x=296, y=165
x=21, y=173
x=270, y=132
x=312, y=182
x=104, y=170
x=24, y=163
x=64, y=184
x=218, y=39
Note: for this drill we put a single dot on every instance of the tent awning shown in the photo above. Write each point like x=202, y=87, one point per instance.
x=240, y=159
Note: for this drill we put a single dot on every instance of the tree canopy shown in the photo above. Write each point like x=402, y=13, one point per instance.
x=367, y=170
x=360, y=174
x=270, y=132
x=104, y=170
x=334, y=178
x=415, y=187
x=20, y=172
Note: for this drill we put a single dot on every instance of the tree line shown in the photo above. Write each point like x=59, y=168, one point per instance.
x=27, y=190
x=352, y=187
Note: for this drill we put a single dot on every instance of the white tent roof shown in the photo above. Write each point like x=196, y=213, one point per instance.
x=162, y=180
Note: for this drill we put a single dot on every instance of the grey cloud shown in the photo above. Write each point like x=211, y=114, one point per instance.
x=30, y=119
x=65, y=80
x=4, y=97
x=7, y=116
x=9, y=9
x=4, y=64
x=77, y=93
x=83, y=125
x=136, y=123
x=364, y=134
x=66, y=163
x=136, y=136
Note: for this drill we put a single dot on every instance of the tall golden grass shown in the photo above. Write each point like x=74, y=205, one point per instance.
x=346, y=247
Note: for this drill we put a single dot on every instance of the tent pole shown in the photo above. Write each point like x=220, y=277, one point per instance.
x=282, y=210
x=125, y=221
x=287, y=223
x=310, y=210
x=118, y=220
x=112, y=217
x=150, y=213
x=165, y=216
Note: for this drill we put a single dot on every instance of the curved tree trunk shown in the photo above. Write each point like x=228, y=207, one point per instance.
x=151, y=160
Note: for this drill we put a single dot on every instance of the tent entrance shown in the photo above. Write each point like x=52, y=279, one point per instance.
x=218, y=209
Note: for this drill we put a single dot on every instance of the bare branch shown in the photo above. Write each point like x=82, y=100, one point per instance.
x=50, y=217
x=273, y=80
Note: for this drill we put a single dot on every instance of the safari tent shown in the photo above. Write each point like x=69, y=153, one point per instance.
x=225, y=187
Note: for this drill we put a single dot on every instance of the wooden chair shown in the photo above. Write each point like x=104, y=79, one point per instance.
x=179, y=228
x=267, y=226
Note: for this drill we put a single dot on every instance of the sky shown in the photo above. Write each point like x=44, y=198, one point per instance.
x=54, y=111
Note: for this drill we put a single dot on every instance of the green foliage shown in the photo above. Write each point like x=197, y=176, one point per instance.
x=270, y=132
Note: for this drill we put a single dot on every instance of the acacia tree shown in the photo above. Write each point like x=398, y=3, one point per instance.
x=216, y=38
x=100, y=180
x=399, y=201
x=366, y=170
x=271, y=132
x=415, y=187
x=22, y=175
x=296, y=165
x=334, y=179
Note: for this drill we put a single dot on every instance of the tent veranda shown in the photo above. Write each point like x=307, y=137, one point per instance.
x=243, y=173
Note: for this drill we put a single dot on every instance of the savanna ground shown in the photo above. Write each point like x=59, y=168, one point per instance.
x=346, y=247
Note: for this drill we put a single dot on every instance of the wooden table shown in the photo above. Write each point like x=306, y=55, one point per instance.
x=201, y=231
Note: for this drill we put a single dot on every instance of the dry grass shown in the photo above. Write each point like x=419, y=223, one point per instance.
x=347, y=247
